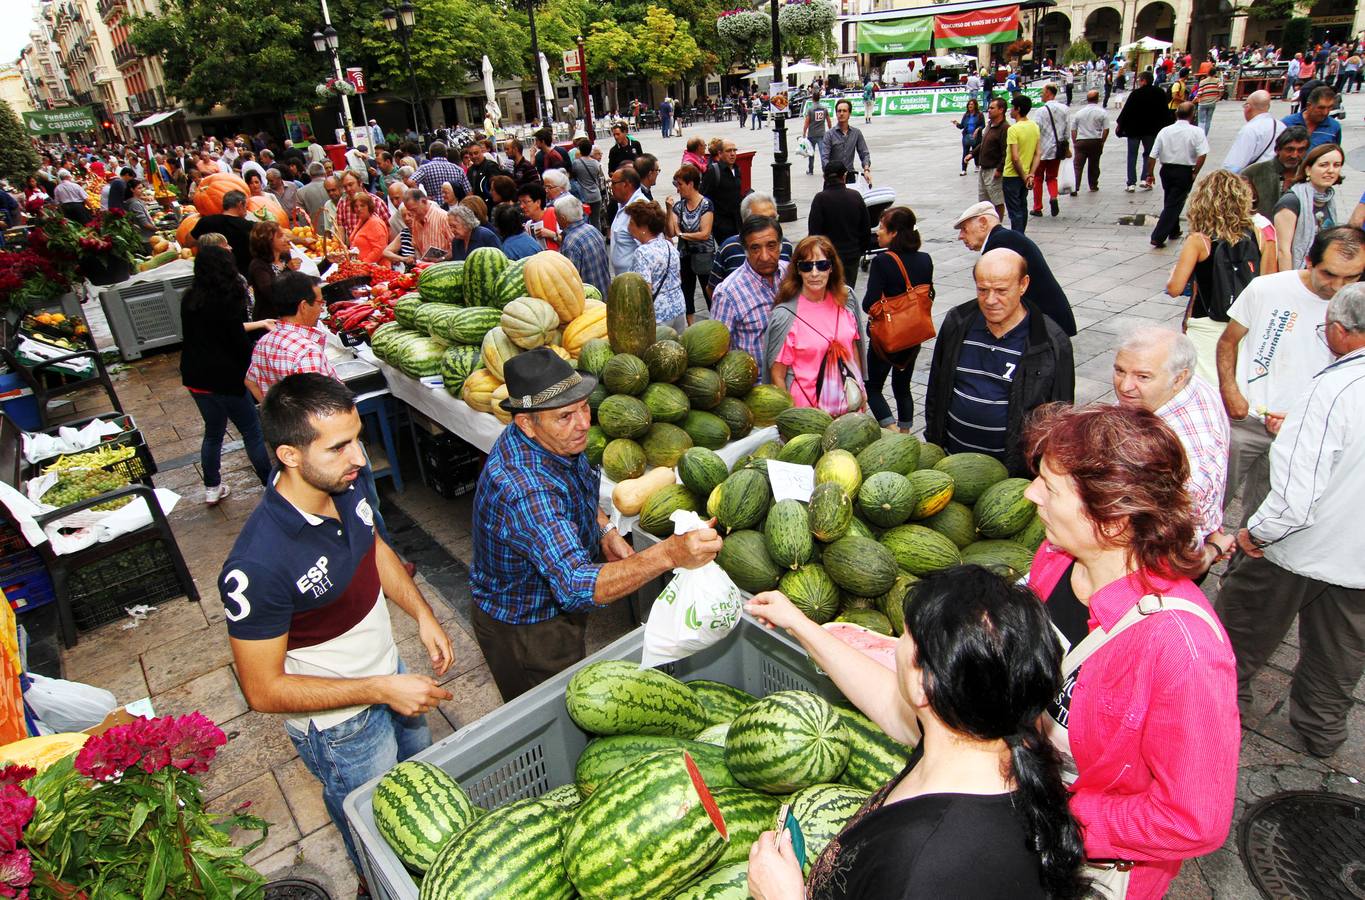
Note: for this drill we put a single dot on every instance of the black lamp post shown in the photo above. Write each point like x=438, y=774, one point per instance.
x=782, y=170
x=401, y=23
x=325, y=41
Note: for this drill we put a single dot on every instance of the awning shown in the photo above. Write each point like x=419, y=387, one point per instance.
x=1147, y=44
x=910, y=35
x=981, y=26
x=155, y=119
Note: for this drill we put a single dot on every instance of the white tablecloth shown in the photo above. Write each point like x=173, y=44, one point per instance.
x=451, y=413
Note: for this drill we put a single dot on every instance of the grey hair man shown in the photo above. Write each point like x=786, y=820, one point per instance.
x=313, y=195
x=580, y=242
x=1255, y=140
x=1301, y=547
x=730, y=254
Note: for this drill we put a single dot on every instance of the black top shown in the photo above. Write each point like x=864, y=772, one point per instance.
x=1043, y=290
x=261, y=276
x=481, y=178
x=237, y=230
x=721, y=185
x=936, y=845
x=1072, y=619
x=216, y=349
x=619, y=154
x=884, y=276
x=1146, y=112
x=840, y=214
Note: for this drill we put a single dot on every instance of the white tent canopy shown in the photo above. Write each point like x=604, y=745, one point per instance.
x=952, y=61
x=1146, y=44
x=801, y=68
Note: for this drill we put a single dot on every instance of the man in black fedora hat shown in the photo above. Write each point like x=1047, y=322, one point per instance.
x=544, y=553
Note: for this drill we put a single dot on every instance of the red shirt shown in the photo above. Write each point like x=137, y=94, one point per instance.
x=1154, y=731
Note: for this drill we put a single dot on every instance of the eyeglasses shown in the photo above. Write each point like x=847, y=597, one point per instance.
x=819, y=265
x=1322, y=332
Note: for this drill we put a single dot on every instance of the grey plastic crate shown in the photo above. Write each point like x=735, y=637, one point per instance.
x=530, y=745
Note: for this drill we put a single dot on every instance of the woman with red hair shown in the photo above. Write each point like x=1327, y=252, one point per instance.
x=1146, y=719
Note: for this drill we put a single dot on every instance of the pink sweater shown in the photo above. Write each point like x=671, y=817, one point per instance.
x=1154, y=730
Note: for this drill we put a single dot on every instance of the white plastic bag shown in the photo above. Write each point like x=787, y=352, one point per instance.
x=1066, y=177
x=696, y=609
x=65, y=706
x=803, y=147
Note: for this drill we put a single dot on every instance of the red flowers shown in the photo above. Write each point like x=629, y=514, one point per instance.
x=187, y=743
x=16, y=873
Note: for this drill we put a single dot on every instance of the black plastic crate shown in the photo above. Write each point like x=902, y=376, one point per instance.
x=144, y=574
x=141, y=466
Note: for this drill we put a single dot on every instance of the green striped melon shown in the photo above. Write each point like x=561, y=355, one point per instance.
x=456, y=366
x=736, y=416
x=654, y=517
x=649, y=829
x=860, y=565
x=706, y=341
x=667, y=361
x=719, y=701
x=665, y=402
x=870, y=619
x=723, y=882
x=701, y=469
x=630, y=314
x=861, y=528
x=703, y=387
x=597, y=445
x=972, y=473
x=830, y=511
x=786, y=533
x=511, y=284
x=1004, y=557
x=766, y=401
x=417, y=809
x=706, y=429
x=747, y=815
x=768, y=450
x=594, y=356
x=405, y=310
x=442, y=283
x=744, y=500
x=840, y=467
x=590, y=292
x=521, y=840
x=664, y=444
x=625, y=374
x=933, y=490
x=874, y=758
x=892, y=603
x=595, y=399
x=482, y=269
x=739, y=371
x=605, y=756
x=623, y=459
x=801, y=450
x=787, y=741
x=853, y=432
x=566, y=796
x=714, y=734
x=744, y=557
x=803, y=420
x=930, y=454
x=955, y=522
x=1032, y=534
x=813, y=592
x=886, y=499
x=665, y=333
x=624, y=416
x=619, y=697
x=919, y=550
x=823, y=810
x=897, y=453
x=1003, y=510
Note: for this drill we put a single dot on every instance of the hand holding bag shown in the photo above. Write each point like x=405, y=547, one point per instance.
x=903, y=321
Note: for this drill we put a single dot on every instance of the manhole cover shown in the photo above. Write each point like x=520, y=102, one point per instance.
x=295, y=889
x=1305, y=844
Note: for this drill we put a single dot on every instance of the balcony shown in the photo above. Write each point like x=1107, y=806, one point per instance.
x=101, y=75
x=109, y=7
x=124, y=54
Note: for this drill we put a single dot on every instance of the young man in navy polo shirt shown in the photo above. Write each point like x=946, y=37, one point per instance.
x=304, y=591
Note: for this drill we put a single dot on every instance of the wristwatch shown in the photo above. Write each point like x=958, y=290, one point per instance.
x=607, y=529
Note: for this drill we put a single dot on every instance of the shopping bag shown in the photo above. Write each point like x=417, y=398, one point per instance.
x=839, y=386
x=803, y=147
x=1066, y=177
x=695, y=610
x=65, y=706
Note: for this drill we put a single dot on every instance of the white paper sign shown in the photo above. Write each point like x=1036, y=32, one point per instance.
x=790, y=481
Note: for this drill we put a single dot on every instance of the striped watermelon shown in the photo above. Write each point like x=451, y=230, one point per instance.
x=618, y=697
x=512, y=853
x=417, y=809
x=787, y=741
x=721, y=702
x=747, y=815
x=728, y=882
x=650, y=828
x=511, y=284
x=874, y=758
x=823, y=810
x=566, y=796
x=713, y=734
x=482, y=269
x=442, y=283
x=606, y=756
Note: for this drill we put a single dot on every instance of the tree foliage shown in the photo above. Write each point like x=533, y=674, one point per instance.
x=665, y=44
x=18, y=160
x=1078, y=52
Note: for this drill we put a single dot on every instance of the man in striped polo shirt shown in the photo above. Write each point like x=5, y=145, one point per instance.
x=996, y=359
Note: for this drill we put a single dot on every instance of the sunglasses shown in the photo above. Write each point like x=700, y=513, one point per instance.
x=818, y=265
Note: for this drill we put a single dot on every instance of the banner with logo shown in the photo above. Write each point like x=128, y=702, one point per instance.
x=918, y=103
x=896, y=35
x=55, y=121
x=980, y=26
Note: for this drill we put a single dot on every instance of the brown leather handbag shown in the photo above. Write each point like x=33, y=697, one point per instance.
x=903, y=321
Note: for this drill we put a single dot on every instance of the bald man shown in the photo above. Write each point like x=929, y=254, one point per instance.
x=996, y=359
x=1255, y=142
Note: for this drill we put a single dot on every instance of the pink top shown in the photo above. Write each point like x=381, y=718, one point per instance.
x=804, y=349
x=699, y=161
x=1154, y=730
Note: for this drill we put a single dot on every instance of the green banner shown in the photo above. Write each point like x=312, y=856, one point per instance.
x=916, y=103
x=896, y=36
x=54, y=121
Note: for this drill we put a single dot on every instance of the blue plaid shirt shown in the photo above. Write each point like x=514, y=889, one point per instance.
x=582, y=244
x=536, y=539
x=435, y=172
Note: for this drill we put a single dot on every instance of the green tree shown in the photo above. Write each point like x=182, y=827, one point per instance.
x=611, y=52
x=18, y=159
x=667, y=49
x=1296, y=34
x=1078, y=52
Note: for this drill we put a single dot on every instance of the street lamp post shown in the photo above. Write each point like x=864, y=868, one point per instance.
x=326, y=42
x=401, y=23
x=587, y=96
x=782, y=170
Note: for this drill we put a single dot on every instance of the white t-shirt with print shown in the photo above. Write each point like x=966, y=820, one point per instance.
x=1281, y=352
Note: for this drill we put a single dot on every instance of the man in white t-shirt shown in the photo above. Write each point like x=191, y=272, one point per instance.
x=1271, y=349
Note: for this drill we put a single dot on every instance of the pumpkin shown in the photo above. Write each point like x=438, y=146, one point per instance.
x=265, y=208
x=499, y=395
x=497, y=349
x=41, y=752
x=592, y=324
x=478, y=390
x=551, y=277
x=208, y=199
x=562, y=354
x=182, y=232
x=529, y=322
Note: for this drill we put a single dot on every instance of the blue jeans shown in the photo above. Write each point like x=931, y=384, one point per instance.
x=1134, y=162
x=358, y=750
x=1016, y=202
x=217, y=409
x=817, y=149
x=1206, y=115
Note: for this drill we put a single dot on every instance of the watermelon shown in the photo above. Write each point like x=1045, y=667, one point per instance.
x=713, y=734
x=853, y=432
x=625, y=374
x=830, y=511
x=664, y=444
x=469, y=325
x=919, y=550
x=630, y=314
x=566, y=796
x=1003, y=509
x=724, y=882
x=933, y=489
x=654, y=517
x=813, y=592
x=801, y=450
x=525, y=838
x=766, y=401
x=623, y=459
x=619, y=697
x=1004, y=557
x=456, y=365
x=590, y=292
x=739, y=371
x=744, y=500
x=405, y=309
x=703, y=387
x=879, y=648
x=747, y=815
x=423, y=357
x=706, y=341
x=720, y=701
x=840, y=467
x=701, y=469
x=786, y=534
x=594, y=355
x=972, y=473
x=823, y=810
x=860, y=566
x=886, y=499
x=706, y=429
x=735, y=415
x=897, y=453
x=1032, y=534
x=930, y=454
x=802, y=420
x=417, y=808
x=954, y=522
x=892, y=603
x=482, y=269
x=442, y=283
x=787, y=741
x=605, y=756
x=667, y=361
x=870, y=619
x=647, y=830
x=511, y=284
x=597, y=445
x=665, y=403
x=744, y=557
x=623, y=416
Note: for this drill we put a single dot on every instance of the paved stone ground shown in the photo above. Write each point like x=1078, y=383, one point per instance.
x=180, y=658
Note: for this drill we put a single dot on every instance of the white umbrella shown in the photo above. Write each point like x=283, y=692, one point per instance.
x=802, y=68
x=760, y=75
x=492, y=109
x=549, y=93
x=1146, y=44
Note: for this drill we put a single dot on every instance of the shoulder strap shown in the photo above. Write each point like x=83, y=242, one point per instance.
x=1051, y=121
x=900, y=265
x=1146, y=606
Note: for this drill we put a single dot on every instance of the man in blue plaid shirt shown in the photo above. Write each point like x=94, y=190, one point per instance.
x=544, y=554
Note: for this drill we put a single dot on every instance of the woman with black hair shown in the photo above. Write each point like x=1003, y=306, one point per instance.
x=213, y=363
x=901, y=269
x=981, y=810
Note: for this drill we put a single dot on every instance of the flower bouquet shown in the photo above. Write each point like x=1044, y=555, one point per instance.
x=806, y=18
x=744, y=26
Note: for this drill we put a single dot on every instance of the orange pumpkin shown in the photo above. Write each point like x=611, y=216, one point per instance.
x=265, y=207
x=182, y=234
x=209, y=198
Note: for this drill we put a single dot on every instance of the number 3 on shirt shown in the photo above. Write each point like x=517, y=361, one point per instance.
x=238, y=578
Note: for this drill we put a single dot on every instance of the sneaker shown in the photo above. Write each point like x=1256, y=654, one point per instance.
x=1055, y=208
x=1129, y=189
x=1144, y=186
x=1037, y=212
x=214, y=495
x=1075, y=193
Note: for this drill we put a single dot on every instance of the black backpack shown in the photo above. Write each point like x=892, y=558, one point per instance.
x=1234, y=265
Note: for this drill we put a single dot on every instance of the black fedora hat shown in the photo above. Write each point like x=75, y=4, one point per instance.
x=539, y=379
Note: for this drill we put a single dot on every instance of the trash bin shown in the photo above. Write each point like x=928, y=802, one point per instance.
x=337, y=154
x=745, y=160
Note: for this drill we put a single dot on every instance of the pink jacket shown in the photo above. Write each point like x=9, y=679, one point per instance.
x=694, y=159
x=1154, y=730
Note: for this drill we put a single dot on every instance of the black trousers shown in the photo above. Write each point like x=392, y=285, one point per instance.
x=1176, y=182
x=522, y=656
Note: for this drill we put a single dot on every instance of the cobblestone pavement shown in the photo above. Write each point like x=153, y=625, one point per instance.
x=180, y=658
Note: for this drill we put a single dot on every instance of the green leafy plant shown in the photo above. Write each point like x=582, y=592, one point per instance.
x=806, y=18
x=18, y=160
x=1078, y=52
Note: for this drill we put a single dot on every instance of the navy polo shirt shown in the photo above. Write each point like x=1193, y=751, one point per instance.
x=978, y=415
x=317, y=581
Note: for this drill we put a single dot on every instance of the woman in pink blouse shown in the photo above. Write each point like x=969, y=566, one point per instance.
x=814, y=313
x=1148, y=723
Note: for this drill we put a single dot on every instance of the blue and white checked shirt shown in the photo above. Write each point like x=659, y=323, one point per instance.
x=582, y=244
x=743, y=302
x=536, y=539
x=435, y=172
x=657, y=262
